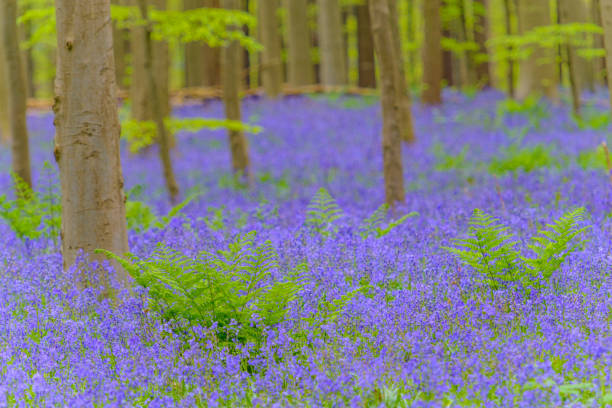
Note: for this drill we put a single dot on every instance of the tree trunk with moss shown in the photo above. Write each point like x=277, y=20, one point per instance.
x=231, y=79
x=389, y=61
x=87, y=134
x=17, y=93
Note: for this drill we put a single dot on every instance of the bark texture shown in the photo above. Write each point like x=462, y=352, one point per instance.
x=202, y=63
x=389, y=72
x=432, y=53
x=537, y=73
x=140, y=94
x=365, y=48
x=87, y=133
x=156, y=108
x=231, y=80
x=271, y=62
x=299, y=64
x=333, y=65
x=17, y=92
x=121, y=50
x=566, y=9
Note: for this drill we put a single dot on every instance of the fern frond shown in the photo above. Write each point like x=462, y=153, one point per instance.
x=375, y=220
x=322, y=211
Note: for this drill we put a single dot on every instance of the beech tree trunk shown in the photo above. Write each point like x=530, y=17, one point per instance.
x=300, y=68
x=599, y=64
x=432, y=53
x=537, y=73
x=271, y=62
x=17, y=93
x=365, y=47
x=333, y=65
x=140, y=93
x=606, y=19
x=511, y=63
x=202, y=63
x=447, y=61
x=565, y=16
x=121, y=49
x=404, y=115
x=389, y=61
x=231, y=80
x=156, y=107
x=5, y=136
x=87, y=134
x=481, y=28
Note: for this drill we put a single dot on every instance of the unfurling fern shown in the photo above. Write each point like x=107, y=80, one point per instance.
x=232, y=288
x=373, y=224
x=552, y=247
x=322, y=212
x=489, y=250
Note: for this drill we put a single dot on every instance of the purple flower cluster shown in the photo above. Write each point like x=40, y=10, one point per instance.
x=421, y=336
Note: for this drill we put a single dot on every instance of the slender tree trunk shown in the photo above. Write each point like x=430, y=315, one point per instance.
x=606, y=19
x=389, y=73
x=447, y=62
x=599, y=64
x=565, y=10
x=120, y=47
x=87, y=134
x=509, y=31
x=156, y=107
x=365, y=45
x=301, y=71
x=5, y=129
x=17, y=92
x=202, y=62
x=231, y=80
x=404, y=115
x=481, y=28
x=331, y=45
x=271, y=62
x=537, y=73
x=139, y=92
x=432, y=53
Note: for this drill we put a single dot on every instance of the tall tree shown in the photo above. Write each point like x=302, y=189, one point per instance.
x=566, y=8
x=202, y=62
x=606, y=19
x=231, y=79
x=365, y=47
x=121, y=49
x=599, y=64
x=5, y=135
x=17, y=92
x=271, y=61
x=163, y=137
x=140, y=93
x=87, y=133
x=432, y=53
x=389, y=61
x=333, y=65
x=404, y=115
x=537, y=73
x=481, y=28
x=299, y=64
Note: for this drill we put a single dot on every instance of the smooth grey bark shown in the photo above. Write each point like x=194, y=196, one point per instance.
x=87, y=135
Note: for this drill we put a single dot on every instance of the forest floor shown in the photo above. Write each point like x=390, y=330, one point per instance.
x=383, y=313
